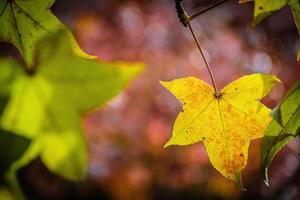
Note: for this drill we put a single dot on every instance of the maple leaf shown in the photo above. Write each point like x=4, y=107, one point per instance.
x=47, y=102
x=226, y=122
x=264, y=8
x=24, y=23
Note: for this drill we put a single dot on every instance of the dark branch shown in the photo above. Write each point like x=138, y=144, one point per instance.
x=185, y=18
x=182, y=15
x=207, y=9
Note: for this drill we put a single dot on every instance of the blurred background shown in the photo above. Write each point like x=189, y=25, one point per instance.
x=126, y=137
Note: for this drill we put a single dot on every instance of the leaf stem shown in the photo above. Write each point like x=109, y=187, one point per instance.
x=206, y=63
x=206, y=9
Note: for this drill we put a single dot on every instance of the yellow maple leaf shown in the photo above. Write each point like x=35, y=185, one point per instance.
x=225, y=122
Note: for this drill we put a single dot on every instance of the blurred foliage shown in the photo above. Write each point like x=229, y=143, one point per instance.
x=5, y=194
x=12, y=148
x=265, y=8
x=47, y=101
x=6, y=77
x=9, y=155
x=284, y=127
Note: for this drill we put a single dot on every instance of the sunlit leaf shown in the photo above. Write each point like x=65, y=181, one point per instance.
x=48, y=100
x=24, y=22
x=226, y=123
x=284, y=127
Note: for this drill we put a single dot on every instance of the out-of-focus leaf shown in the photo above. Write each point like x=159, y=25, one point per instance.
x=3, y=5
x=10, y=187
x=7, y=76
x=284, y=127
x=295, y=5
x=5, y=194
x=225, y=123
x=264, y=8
x=12, y=147
x=48, y=101
x=24, y=23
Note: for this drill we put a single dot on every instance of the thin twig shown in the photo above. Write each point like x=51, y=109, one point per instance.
x=206, y=63
x=206, y=9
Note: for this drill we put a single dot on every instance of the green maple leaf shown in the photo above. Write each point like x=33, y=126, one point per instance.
x=284, y=127
x=265, y=8
x=24, y=22
x=48, y=100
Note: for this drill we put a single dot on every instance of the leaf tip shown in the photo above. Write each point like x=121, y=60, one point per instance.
x=267, y=183
x=167, y=145
x=277, y=80
x=238, y=180
x=271, y=78
x=164, y=83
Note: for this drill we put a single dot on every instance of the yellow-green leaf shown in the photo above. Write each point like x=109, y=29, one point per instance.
x=226, y=122
x=264, y=8
x=5, y=194
x=24, y=23
x=3, y=5
x=48, y=100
